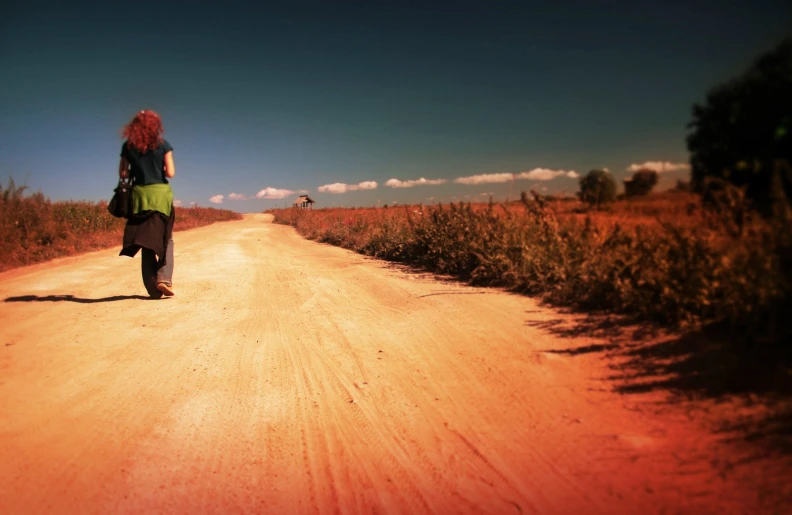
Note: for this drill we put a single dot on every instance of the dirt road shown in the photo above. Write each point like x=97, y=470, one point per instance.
x=288, y=376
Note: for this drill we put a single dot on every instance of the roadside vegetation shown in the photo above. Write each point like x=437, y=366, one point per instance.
x=34, y=229
x=662, y=258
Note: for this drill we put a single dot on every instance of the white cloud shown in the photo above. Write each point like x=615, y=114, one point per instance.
x=396, y=183
x=545, y=174
x=659, y=166
x=336, y=187
x=537, y=174
x=178, y=203
x=304, y=192
x=273, y=193
x=217, y=199
x=193, y=203
x=237, y=196
x=485, y=178
x=340, y=187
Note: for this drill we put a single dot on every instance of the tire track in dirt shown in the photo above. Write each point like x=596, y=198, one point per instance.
x=355, y=298
x=323, y=385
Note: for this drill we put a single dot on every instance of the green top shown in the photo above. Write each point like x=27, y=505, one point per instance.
x=152, y=197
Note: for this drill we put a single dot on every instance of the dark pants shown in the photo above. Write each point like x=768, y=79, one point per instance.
x=153, y=273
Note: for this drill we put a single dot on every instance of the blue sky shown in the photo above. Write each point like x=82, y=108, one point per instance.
x=335, y=97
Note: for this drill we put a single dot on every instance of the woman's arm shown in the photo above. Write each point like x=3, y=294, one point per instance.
x=170, y=168
x=123, y=168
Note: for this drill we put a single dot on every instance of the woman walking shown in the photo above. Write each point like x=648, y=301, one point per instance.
x=147, y=160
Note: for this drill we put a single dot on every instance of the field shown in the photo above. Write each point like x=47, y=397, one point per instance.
x=662, y=258
x=34, y=229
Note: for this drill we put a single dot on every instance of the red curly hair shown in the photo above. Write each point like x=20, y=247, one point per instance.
x=144, y=132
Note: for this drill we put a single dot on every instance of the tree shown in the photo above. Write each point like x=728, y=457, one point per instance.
x=597, y=187
x=641, y=183
x=744, y=129
x=681, y=185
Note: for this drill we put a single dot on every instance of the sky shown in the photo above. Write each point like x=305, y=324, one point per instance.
x=365, y=103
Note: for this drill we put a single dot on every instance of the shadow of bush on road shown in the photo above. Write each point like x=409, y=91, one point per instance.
x=712, y=363
x=708, y=363
x=618, y=330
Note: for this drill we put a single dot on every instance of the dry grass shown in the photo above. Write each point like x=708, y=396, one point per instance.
x=661, y=258
x=34, y=229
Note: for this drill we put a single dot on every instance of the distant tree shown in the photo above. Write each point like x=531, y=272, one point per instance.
x=641, y=183
x=744, y=131
x=597, y=188
x=681, y=185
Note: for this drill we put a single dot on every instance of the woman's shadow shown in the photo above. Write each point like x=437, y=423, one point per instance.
x=72, y=298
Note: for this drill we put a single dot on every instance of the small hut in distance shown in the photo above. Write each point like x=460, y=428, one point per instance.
x=304, y=201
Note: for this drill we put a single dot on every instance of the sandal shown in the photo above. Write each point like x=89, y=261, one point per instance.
x=166, y=289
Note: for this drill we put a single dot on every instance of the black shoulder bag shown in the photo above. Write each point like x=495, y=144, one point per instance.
x=120, y=205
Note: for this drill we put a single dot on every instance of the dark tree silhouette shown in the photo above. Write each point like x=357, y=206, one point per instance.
x=641, y=183
x=742, y=134
x=681, y=185
x=597, y=187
